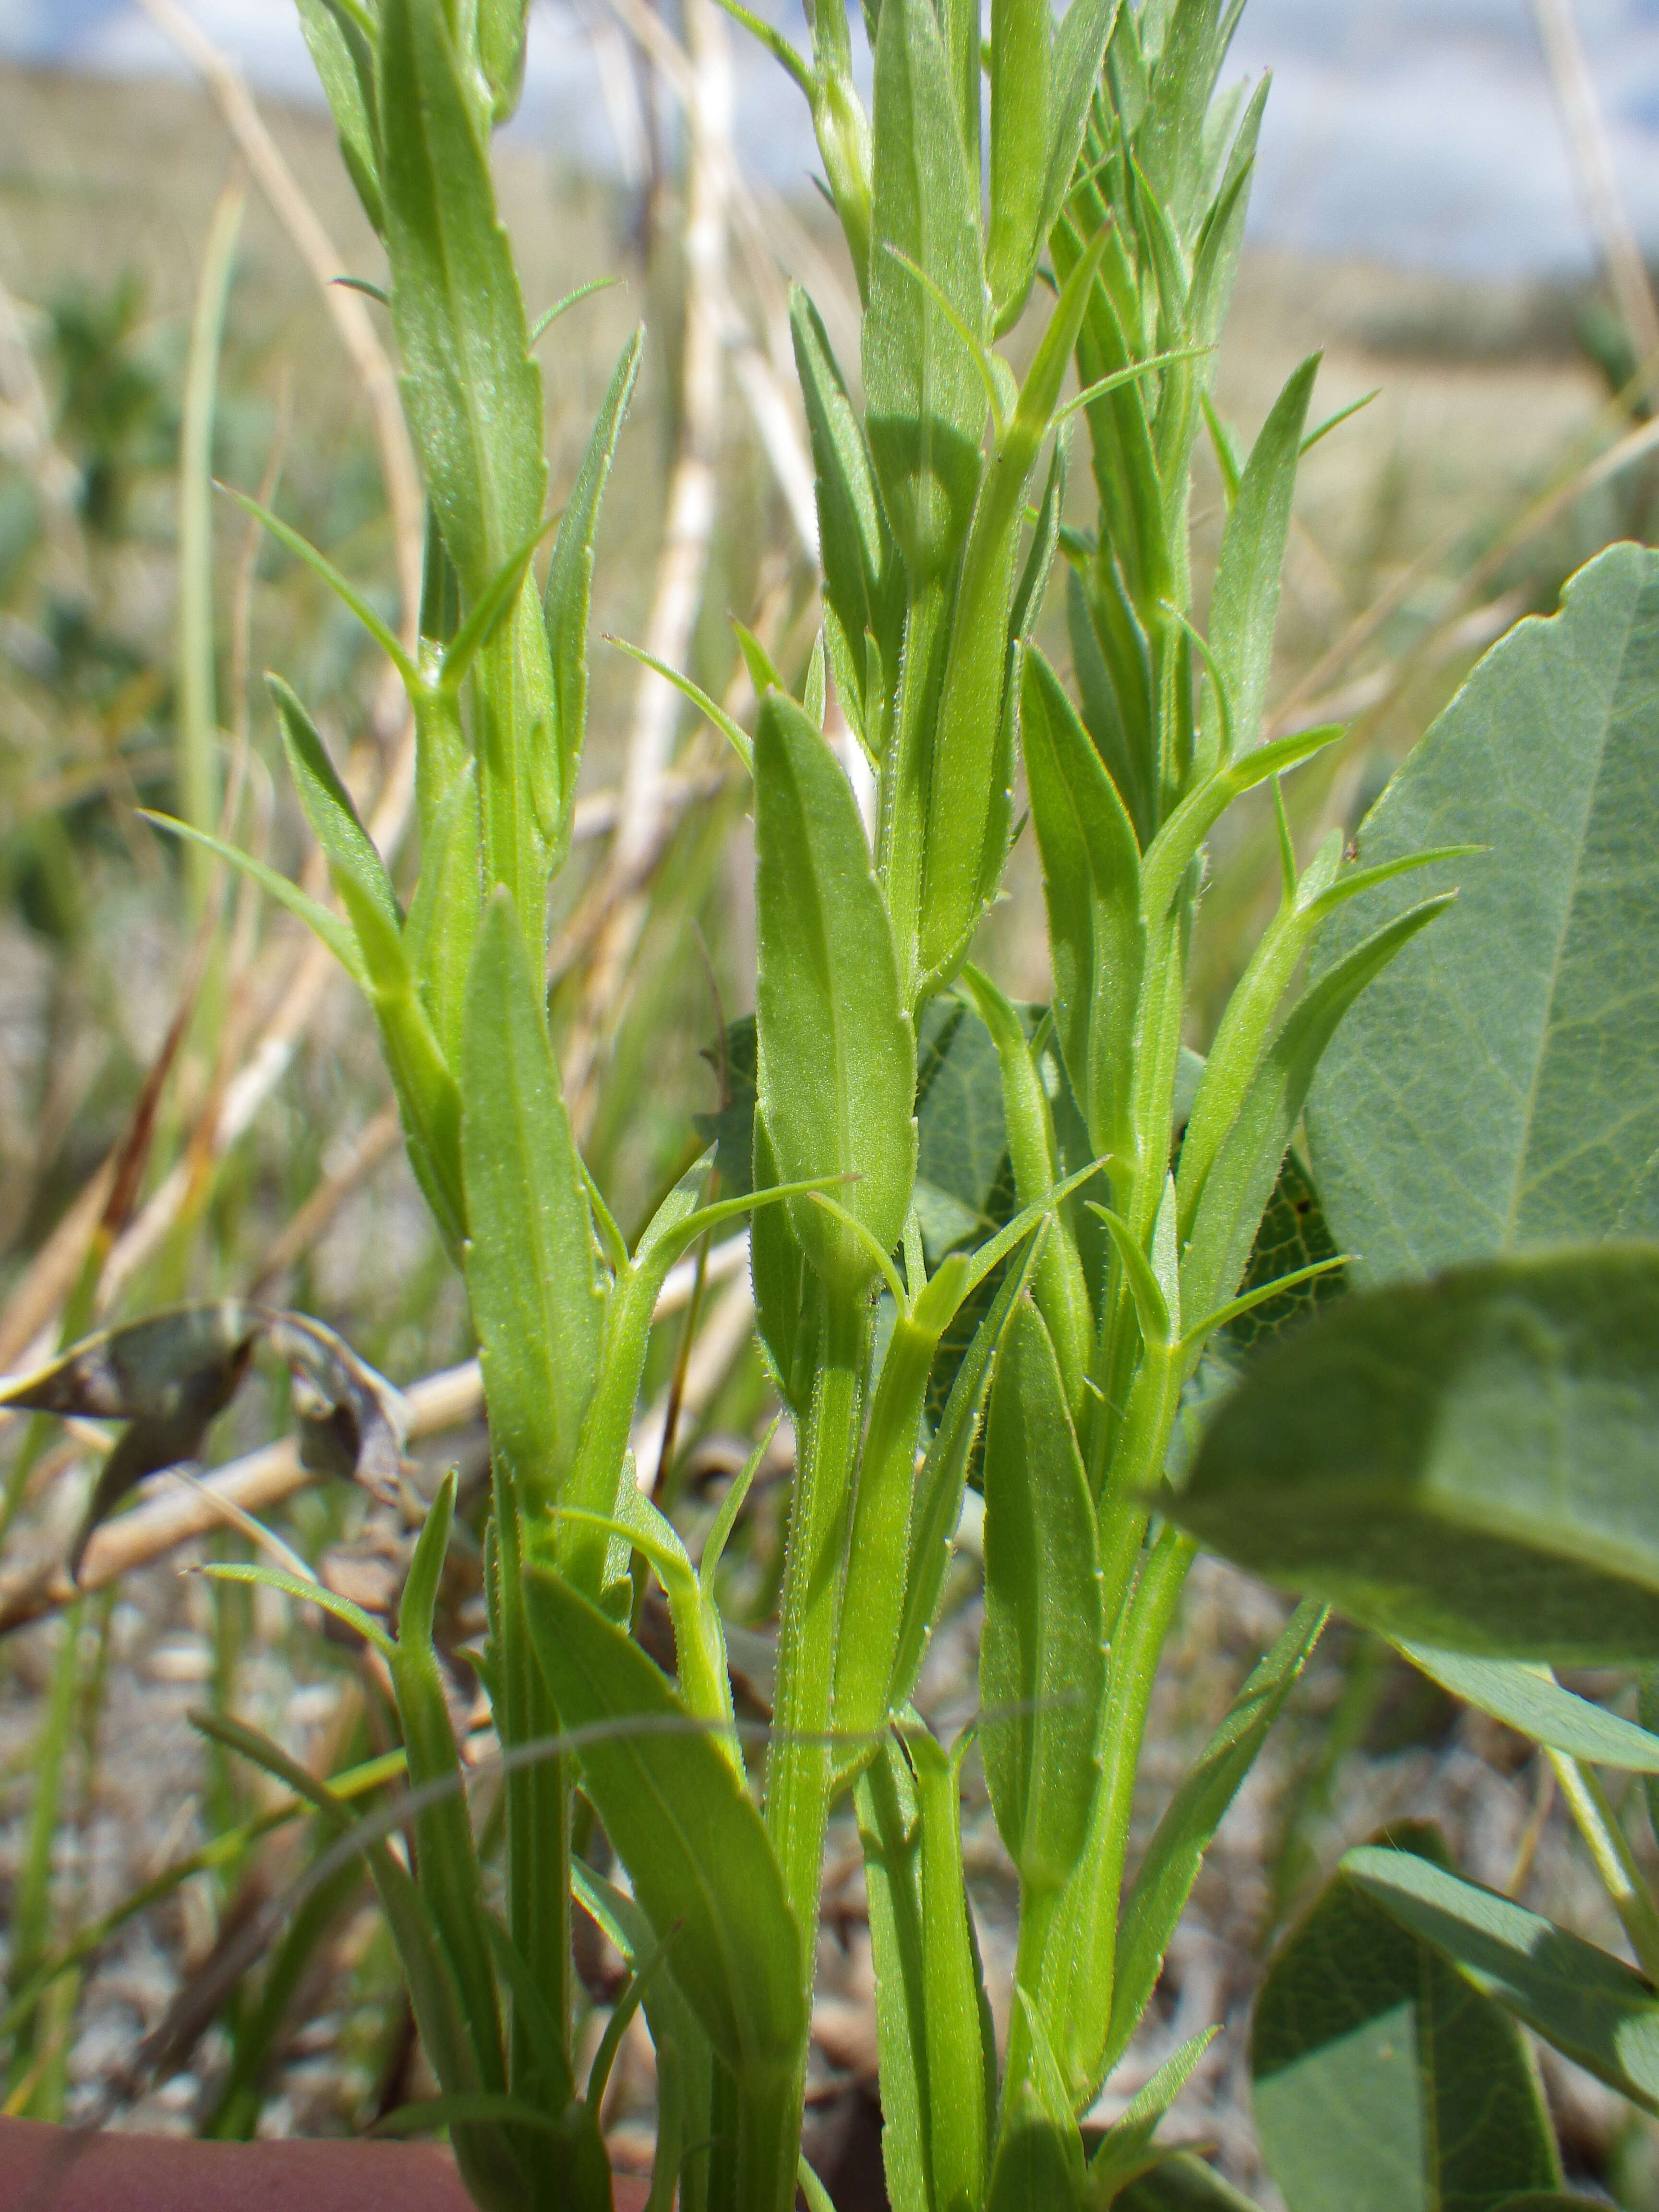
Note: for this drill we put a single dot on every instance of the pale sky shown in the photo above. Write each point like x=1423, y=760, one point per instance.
x=1422, y=131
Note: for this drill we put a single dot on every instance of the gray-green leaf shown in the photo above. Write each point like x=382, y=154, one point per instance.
x=1593, y=2007
x=1471, y=1462
x=1496, y=1090
x=1383, y=2080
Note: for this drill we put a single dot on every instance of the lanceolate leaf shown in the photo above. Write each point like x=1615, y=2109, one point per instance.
x=529, y=1260
x=1244, y=606
x=1496, y=1090
x=683, y=1825
x=1175, y=1853
x=1598, y=2012
x=345, y=64
x=570, y=573
x=1043, y=1660
x=862, y=579
x=836, y=1051
x=1092, y=877
x=473, y=392
x=1383, y=2080
x=1021, y=64
x=328, y=808
x=442, y=928
x=1239, y=1185
x=1471, y=1462
x=927, y=405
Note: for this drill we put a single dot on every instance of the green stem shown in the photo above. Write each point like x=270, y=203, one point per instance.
x=768, y=2142
x=1037, y=1917
x=1080, y=1965
x=904, y=777
x=1615, y=1862
x=538, y=1803
x=798, y=1763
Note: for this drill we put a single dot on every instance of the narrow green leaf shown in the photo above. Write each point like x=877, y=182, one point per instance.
x=429, y=1098
x=1236, y=1051
x=502, y=26
x=939, y=1486
x=443, y=929
x=1043, y=1666
x=1059, y=1284
x=345, y=62
x=1468, y=1462
x=863, y=582
x=1244, y=604
x=566, y=603
x=347, y=594
x=1126, y=2150
x=680, y=1821
x=1021, y=64
x=472, y=391
x=327, y=928
x=531, y=1266
x=926, y=406
x=446, y=1865
x=1170, y=1867
x=492, y=608
x=307, y=1592
x=532, y=2015
x=1495, y=1092
x=486, y=2165
x=1080, y=42
x=961, y=2060
x=735, y=735
x=1594, y=2008
x=836, y=1053
x=1248, y=1163
x=1382, y=2081
x=1039, y=2157
x=1091, y=873
x=346, y=844
x=889, y=1835
x=682, y=2048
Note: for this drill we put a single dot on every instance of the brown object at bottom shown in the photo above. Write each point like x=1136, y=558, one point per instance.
x=46, y=2169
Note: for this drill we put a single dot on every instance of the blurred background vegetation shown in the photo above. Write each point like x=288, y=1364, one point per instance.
x=192, y=1107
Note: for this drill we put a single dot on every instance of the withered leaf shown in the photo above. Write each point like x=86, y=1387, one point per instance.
x=171, y=1375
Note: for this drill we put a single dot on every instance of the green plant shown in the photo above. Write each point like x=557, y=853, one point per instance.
x=1138, y=1213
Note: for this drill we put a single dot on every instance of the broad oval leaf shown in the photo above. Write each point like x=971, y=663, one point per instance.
x=1598, y=2012
x=693, y=1843
x=836, y=1052
x=1472, y=1462
x=1383, y=2080
x=1495, y=1092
